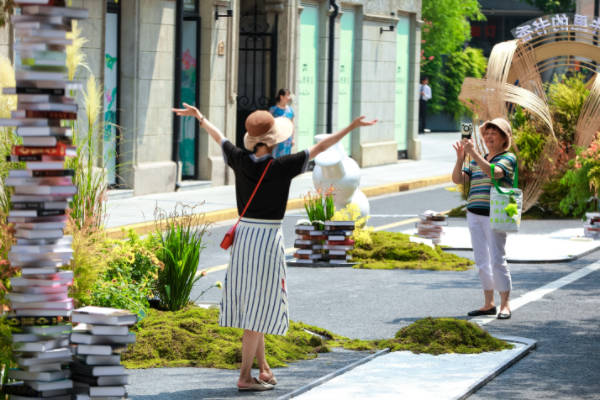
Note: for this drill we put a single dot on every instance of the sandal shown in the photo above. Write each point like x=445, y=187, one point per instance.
x=256, y=386
x=271, y=381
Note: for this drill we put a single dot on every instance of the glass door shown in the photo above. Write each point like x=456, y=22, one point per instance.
x=308, y=76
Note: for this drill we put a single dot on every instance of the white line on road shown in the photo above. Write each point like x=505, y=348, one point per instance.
x=540, y=292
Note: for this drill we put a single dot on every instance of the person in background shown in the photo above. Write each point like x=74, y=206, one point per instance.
x=488, y=245
x=424, y=97
x=283, y=109
x=255, y=289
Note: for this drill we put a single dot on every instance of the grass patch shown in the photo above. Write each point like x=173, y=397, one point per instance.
x=393, y=250
x=434, y=336
x=192, y=337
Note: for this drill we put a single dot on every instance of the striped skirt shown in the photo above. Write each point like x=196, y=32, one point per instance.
x=255, y=291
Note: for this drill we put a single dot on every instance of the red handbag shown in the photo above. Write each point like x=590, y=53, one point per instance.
x=230, y=235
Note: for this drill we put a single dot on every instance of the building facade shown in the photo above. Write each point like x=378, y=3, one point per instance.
x=340, y=59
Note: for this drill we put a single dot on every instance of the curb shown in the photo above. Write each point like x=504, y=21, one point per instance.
x=143, y=228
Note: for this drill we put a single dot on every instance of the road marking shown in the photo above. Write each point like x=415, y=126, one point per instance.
x=540, y=292
x=291, y=249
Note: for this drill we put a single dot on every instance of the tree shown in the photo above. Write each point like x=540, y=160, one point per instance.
x=444, y=33
x=6, y=10
x=553, y=6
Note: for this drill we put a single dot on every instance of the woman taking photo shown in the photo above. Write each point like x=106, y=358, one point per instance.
x=282, y=109
x=488, y=245
x=255, y=288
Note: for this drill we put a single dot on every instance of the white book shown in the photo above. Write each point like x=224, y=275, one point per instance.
x=29, y=271
x=23, y=121
x=48, y=329
x=35, y=376
x=37, y=165
x=86, y=338
x=42, y=180
x=45, y=190
x=43, y=367
x=40, y=141
x=66, y=304
x=101, y=329
x=45, y=98
x=25, y=75
x=56, y=280
x=63, y=249
x=42, y=313
x=27, y=289
x=43, y=131
x=45, y=234
x=62, y=384
x=48, y=106
x=113, y=359
x=68, y=12
x=36, y=220
x=47, y=19
x=42, y=346
x=51, y=41
x=32, y=337
x=41, y=264
x=103, y=316
x=23, y=297
x=94, y=349
x=40, y=249
x=97, y=391
x=55, y=254
x=55, y=355
x=42, y=31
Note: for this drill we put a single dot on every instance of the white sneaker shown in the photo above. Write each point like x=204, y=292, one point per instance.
x=427, y=130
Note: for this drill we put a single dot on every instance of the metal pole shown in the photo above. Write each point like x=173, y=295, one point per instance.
x=177, y=84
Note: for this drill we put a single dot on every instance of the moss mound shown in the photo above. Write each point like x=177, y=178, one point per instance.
x=393, y=250
x=435, y=336
x=192, y=337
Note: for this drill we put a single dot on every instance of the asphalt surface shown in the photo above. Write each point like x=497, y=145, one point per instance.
x=371, y=304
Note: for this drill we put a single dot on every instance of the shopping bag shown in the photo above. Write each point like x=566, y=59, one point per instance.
x=506, y=205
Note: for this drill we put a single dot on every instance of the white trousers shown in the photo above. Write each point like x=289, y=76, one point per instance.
x=490, y=254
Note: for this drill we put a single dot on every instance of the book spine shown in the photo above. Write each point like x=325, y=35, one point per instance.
x=39, y=205
x=57, y=151
x=50, y=114
x=17, y=321
x=31, y=90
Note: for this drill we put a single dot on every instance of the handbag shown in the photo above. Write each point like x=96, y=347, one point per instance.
x=230, y=235
x=505, y=204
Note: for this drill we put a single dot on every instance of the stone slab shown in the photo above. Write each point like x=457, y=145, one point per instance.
x=420, y=376
x=559, y=246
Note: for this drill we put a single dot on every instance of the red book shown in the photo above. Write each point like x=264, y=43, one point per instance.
x=57, y=151
x=347, y=242
x=50, y=114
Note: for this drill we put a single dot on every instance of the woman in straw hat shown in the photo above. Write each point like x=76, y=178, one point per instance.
x=255, y=288
x=488, y=245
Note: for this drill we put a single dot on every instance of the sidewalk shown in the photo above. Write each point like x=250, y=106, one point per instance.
x=434, y=167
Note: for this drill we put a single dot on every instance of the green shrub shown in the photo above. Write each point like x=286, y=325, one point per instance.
x=582, y=181
x=7, y=358
x=180, y=235
x=459, y=65
x=130, y=276
x=566, y=96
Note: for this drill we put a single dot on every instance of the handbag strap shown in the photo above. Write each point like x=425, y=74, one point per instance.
x=255, y=189
x=515, y=179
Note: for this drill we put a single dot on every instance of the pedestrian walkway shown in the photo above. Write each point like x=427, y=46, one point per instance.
x=218, y=202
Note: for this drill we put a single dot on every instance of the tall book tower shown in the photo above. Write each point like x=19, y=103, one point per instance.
x=39, y=301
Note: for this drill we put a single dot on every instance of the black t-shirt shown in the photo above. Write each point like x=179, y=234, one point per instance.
x=271, y=197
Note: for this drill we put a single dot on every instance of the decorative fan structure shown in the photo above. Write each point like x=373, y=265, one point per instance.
x=514, y=76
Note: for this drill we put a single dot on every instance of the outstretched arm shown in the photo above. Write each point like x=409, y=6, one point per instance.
x=332, y=139
x=191, y=111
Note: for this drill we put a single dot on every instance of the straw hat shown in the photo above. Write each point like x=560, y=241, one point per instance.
x=261, y=127
x=503, y=125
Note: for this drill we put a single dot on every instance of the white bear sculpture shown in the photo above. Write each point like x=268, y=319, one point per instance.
x=334, y=168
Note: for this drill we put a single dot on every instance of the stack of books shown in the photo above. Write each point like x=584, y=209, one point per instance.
x=42, y=351
x=338, y=241
x=39, y=301
x=309, y=243
x=99, y=338
x=327, y=246
x=430, y=225
x=591, y=227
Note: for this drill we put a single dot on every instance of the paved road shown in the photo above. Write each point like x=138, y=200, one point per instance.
x=375, y=304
